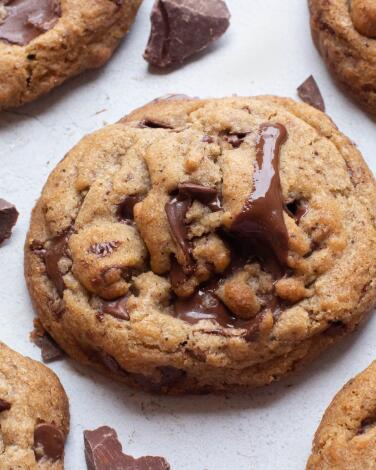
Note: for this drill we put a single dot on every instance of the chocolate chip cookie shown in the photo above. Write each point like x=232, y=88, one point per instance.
x=44, y=42
x=345, y=34
x=202, y=245
x=34, y=415
x=346, y=438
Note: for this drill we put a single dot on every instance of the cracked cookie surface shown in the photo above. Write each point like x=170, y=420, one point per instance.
x=345, y=34
x=34, y=414
x=45, y=42
x=202, y=245
x=346, y=438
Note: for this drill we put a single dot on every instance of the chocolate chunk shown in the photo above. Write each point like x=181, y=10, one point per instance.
x=8, y=218
x=154, y=124
x=50, y=350
x=54, y=253
x=310, y=93
x=125, y=208
x=117, y=308
x=104, y=248
x=4, y=405
x=26, y=19
x=176, y=210
x=48, y=442
x=261, y=218
x=181, y=28
x=103, y=451
x=207, y=196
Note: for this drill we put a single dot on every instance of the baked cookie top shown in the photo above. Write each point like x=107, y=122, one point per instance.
x=226, y=239
x=346, y=438
x=345, y=33
x=34, y=414
x=44, y=42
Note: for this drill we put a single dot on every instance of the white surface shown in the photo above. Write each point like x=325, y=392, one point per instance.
x=268, y=49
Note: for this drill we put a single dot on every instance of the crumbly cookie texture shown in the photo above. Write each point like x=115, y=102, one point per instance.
x=34, y=414
x=43, y=43
x=346, y=438
x=143, y=261
x=345, y=34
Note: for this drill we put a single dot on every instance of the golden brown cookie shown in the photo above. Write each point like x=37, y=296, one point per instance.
x=203, y=245
x=34, y=414
x=45, y=42
x=346, y=438
x=345, y=33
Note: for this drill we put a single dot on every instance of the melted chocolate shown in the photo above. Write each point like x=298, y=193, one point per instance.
x=27, y=19
x=261, y=219
x=48, y=442
x=125, y=208
x=53, y=255
x=116, y=308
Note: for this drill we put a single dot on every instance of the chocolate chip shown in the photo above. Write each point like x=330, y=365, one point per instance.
x=4, y=405
x=181, y=28
x=297, y=210
x=367, y=424
x=8, y=218
x=309, y=92
x=125, y=208
x=204, y=194
x=116, y=308
x=48, y=442
x=176, y=210
x=103, y=451
x=154, y=124
x=50, y=350
x=104, y=248
x=27, y=19
x=56, y=250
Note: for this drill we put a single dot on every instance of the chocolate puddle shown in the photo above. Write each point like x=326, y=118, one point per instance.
x=259, y=231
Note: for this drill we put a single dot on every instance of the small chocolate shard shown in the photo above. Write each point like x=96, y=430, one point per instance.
x=103, y=451
x=27, y=19
x=54, y=253
x=4, y=405
x=116, y=308
x=182, y=28
x=8, y=218
x=126, y=207
x=204, y=194
x=309, y=92
x=50, y=350
x=48, y=442
x=104, y=248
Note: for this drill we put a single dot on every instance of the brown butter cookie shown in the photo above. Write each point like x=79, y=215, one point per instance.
x=205, y=244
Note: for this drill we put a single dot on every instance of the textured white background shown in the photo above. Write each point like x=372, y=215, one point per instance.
x=268, y=49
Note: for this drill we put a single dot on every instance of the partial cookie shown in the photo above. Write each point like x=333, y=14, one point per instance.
x=34, y=414
x=346, y=438
x=45, y=42
x=345, y=34
x=202, y=245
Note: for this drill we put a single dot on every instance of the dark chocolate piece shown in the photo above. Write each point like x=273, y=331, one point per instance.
x=181, y=28
x=176, y=210
x=50, y=350
x=297, y=210
x=104, y=248
x=116, y=308
x=261, y=219
x=27, y=19
x=4, y=405
x=207, y=196
x=125, y=208
x=8, y=218
x=103, y=451
x=48, y=442
x=54, y=253
x=309, y=92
